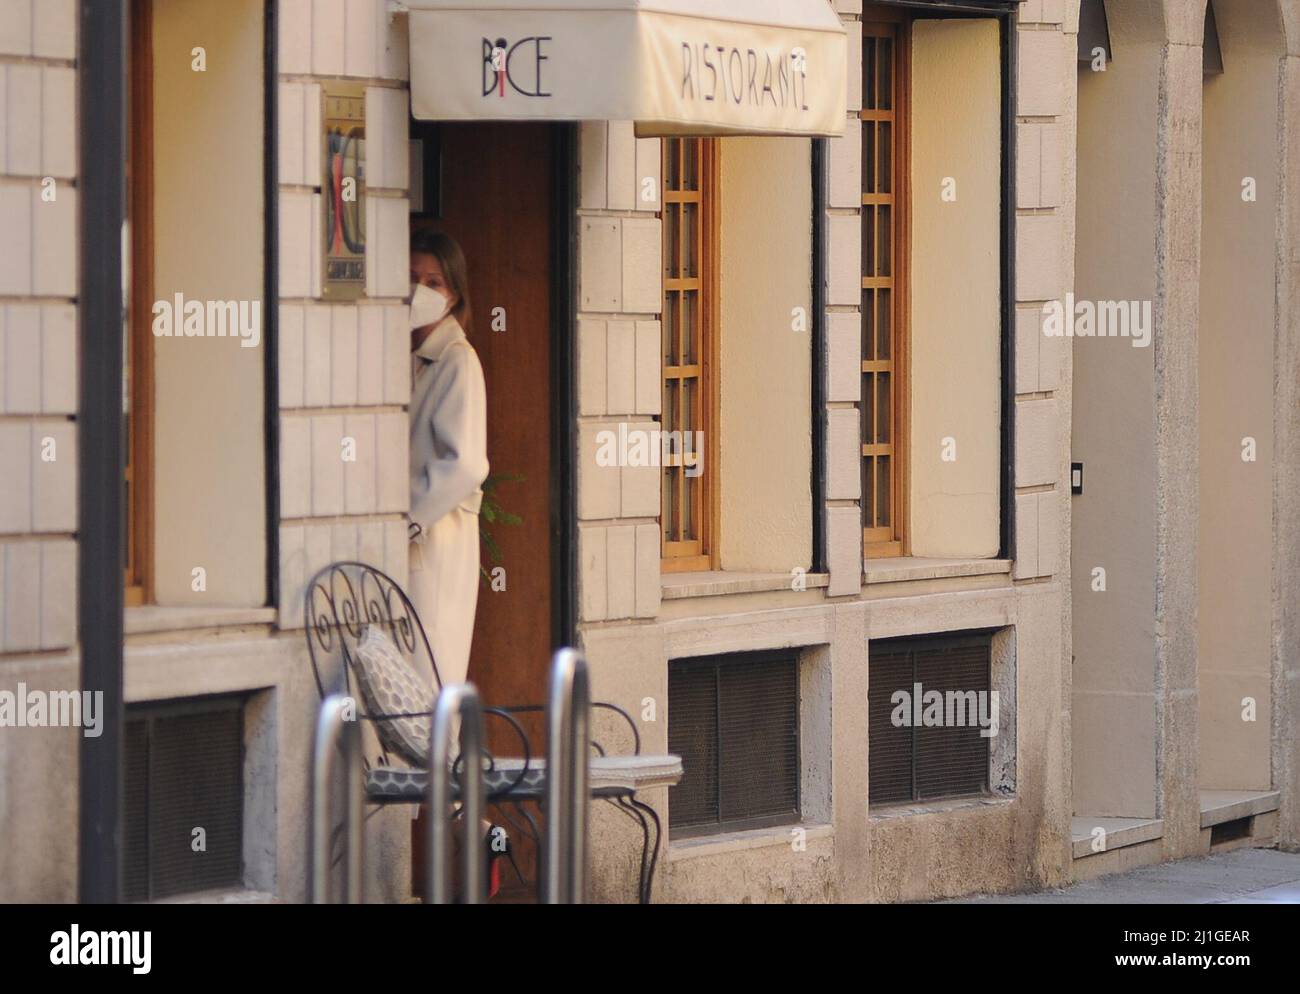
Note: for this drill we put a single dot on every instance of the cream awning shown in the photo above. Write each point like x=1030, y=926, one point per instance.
x=672, y=66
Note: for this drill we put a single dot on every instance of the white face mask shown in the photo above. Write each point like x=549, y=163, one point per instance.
x=428, y=306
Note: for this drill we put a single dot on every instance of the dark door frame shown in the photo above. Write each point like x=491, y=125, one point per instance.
x=564, y=409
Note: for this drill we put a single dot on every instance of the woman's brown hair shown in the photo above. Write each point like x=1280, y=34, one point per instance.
x=447, y=251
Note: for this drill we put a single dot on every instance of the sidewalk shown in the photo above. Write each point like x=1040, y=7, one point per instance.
x=1244, y=876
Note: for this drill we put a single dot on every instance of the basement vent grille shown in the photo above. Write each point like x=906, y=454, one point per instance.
x=923, y=762
x=1231, y=831
x=183, y=771
x=734, y=720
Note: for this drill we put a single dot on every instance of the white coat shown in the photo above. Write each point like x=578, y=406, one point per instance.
x=448, y=466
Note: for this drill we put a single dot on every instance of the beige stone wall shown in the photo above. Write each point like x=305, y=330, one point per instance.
x=1114, y=520
x=38, y=439
x=620, y=296
x=344, y=371
x=1286, y=482
x=344, y=366
x=1220, y=280
x=852, y=853
x=1238, y=301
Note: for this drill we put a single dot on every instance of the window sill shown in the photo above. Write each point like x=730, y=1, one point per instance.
x=754, y=838
x=716, y=583
x=151, y=618
x=909, y=810
x=916, y=568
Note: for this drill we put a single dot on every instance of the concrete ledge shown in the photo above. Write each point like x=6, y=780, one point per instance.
x=718, y=583
x=754, y=838
x=1218, y=806
x=144, y=620
x=1120, y=832
x=915, y=568
x=910, y=809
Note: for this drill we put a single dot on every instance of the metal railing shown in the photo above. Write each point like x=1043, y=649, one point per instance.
x=568, y=747
x=458, y=701
x=338, y=732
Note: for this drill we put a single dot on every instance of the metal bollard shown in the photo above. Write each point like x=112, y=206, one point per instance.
x=461, y=700
x=333, y=730
x=568, y=747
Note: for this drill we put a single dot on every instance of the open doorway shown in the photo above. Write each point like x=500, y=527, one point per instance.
x=501, y=190
x=496, y=202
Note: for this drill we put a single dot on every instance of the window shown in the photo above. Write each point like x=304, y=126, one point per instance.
x=734, y=720
x=196, y=498
x=184, y=770
x=690, y=234
x=884, y=290
x=919, y=752
x=137, y=399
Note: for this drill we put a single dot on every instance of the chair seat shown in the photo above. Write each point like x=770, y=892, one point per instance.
x=609, y=776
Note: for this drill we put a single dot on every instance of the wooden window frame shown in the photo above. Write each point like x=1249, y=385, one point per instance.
x=700, y=553
x=139, y=370
x=891, y=539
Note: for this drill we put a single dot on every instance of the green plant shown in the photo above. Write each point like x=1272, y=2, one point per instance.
x=492, y=513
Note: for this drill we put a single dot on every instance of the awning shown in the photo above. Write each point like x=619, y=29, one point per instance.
x=672, y=66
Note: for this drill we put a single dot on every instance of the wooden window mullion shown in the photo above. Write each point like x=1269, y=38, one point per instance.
x=688, y=298
x=884, y=271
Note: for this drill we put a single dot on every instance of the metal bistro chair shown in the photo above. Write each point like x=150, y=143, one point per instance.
x=343, y=599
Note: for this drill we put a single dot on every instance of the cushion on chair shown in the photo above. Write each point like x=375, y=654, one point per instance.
x=609, y=776
x=390, y=685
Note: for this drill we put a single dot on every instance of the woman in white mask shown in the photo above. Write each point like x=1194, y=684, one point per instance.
x=448, y=452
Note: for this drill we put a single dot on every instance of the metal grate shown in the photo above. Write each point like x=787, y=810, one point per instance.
x=734, y=720
x=184, y=771
x=910, y=761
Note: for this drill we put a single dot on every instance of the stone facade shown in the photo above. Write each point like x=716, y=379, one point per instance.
x=343, y=374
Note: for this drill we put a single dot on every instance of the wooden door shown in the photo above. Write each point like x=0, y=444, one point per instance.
x=496, y=202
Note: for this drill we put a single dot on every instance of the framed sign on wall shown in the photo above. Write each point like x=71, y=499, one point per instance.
x=343, y=189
